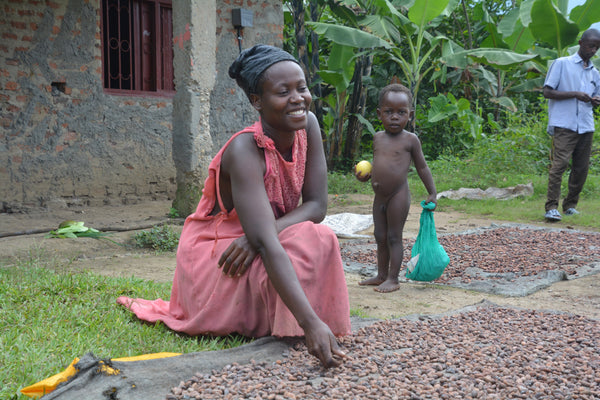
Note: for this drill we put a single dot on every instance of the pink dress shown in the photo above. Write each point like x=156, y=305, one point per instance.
x=204, y=301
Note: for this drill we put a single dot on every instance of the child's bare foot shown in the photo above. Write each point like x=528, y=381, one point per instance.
x=387, y=286
x=375, y=281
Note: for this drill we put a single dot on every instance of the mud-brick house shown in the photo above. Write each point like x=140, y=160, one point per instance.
x=96, y=96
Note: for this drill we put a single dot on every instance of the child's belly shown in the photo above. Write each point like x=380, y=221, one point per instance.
x=388, y=182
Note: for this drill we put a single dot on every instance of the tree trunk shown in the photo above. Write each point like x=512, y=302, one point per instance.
x=314, y=68
x=335, y=139
x=356, y=105
x=304, y=54
x=470, y=42
x=299, y=28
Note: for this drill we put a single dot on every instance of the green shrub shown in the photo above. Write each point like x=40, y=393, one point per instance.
x=160, y=238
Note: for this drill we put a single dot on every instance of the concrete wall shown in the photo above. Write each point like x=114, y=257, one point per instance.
x=64, y=141
x=230, y=109
x=209, y=107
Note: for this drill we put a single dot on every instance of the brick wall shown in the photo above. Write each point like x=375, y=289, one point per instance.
x=63, y=140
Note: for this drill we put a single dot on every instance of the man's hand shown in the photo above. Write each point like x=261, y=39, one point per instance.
x=582, y=96
x=236, y=259
x=596, y=101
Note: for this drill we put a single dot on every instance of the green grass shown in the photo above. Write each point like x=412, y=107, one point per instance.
x=460, y=174
x=341, y=184
x=359, y=312
x=527, y=210
x=49, y=317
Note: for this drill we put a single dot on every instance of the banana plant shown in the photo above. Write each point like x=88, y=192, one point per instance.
x=387, y=32
x=522, y=44
x=549, y=24
x=340, y=68
x=586, y=14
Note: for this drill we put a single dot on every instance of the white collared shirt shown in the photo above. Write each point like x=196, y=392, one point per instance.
x=569, y=74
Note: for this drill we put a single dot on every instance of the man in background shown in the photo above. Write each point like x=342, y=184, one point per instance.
x=572, y=86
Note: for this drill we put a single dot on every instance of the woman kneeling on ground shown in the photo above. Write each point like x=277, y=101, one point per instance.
x=252, y=260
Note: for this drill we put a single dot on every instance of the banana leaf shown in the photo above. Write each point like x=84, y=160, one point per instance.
x=74, y=229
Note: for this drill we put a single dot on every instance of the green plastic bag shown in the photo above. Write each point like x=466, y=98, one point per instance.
x=428, y=257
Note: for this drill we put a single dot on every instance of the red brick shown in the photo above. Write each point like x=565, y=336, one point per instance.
x=18, y=24
x=13, y=61
x=11, y=85
x=22, y=98
x=27, y=38
x=83, y=68
x=13, y=109
x=7, y=35
x=56, y=30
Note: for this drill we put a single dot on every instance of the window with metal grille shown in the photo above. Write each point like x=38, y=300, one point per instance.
x=137, y=46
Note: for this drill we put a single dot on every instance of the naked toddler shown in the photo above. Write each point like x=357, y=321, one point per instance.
x=393, y=150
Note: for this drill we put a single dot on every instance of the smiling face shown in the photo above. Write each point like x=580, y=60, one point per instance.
x=284, y=97
x=395, y=112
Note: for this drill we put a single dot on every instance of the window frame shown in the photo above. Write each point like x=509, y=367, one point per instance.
x=159, y=39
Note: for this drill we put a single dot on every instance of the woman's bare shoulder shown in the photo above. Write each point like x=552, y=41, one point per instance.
x=241, y=149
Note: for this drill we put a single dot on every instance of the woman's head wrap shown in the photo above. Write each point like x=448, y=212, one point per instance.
x=251, y=63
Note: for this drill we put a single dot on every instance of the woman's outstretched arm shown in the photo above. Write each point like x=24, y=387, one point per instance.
x=243, y=164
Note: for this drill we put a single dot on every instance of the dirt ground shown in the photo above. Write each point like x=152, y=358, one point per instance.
x=22, y=237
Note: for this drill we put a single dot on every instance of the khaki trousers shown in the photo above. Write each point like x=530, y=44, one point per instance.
x=568, y=145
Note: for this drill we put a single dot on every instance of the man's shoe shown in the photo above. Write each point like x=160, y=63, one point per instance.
x=553, y=215
x=571, y=211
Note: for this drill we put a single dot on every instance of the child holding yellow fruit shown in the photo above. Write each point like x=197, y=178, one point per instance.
x=393, y=151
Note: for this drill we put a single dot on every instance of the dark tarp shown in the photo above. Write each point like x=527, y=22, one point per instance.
x=153, y=379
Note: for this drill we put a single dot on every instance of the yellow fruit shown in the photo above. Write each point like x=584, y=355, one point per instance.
x=363, y=167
